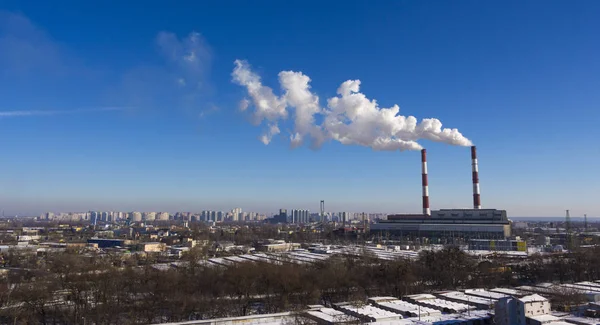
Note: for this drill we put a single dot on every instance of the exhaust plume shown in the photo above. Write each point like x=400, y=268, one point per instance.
x=349, y=118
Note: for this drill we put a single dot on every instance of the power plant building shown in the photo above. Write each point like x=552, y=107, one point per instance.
x=475, y=223
x=467, y=223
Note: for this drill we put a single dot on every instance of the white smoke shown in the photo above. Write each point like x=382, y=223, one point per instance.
x=272, y=131
x=267, y=105
x=297, y=94
x=350, y=117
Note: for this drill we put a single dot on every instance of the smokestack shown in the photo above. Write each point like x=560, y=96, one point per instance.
x=476, y=195
x=425, y=183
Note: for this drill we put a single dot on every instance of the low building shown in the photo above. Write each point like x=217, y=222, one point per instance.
x=497, y=245
x=529, y=310
x=581, y=320
x=151, y=247
x=442, y=305
x=404, y=308
x=108, y=243
x=542, y=319
x=509, y=292
x=328, y=316
x=506, y=312
x=367, y=313
x=457, y=296
x=533, y=305
x=280, y=318
x=481, y=293
x=278, y=247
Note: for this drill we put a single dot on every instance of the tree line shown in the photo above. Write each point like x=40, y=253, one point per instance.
x=75, y=288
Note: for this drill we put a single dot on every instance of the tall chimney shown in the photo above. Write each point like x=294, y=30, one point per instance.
x=425, y=183
x=476, y=195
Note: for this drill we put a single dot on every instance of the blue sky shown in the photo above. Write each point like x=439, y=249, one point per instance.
x=111, y=126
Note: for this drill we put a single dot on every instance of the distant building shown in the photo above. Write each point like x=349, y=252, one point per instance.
x=135, y=216
x=108, y=243
x=344, y=217
x=498, y=245
x=162, y=216
x=236, y=214
x=149, y=216
x=152, y=247
x=94, y=217
x=282, y=217
x=300, y=216
x=278, y=247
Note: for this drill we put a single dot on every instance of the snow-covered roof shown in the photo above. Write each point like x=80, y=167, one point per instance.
x=533, y=298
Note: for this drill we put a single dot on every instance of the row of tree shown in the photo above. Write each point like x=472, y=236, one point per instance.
x=72, y=288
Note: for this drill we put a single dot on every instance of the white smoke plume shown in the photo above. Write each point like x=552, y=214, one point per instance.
x=267, y=105
x=349, y=118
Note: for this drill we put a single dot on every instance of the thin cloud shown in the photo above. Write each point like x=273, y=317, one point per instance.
x=211, y=109
x=59, y=112
x=31, y=58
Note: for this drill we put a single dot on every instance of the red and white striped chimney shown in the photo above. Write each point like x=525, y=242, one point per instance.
x=425, y=183
x=476, y=195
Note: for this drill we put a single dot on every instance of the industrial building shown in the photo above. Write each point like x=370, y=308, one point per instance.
x=497, y=245
x=533, y=309
x=475, y=223
x=108, y=243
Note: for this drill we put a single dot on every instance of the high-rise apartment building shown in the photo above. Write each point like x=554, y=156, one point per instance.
x=344, y=217
x=94, y=216
x=236, y=214
x=149, y=216
x=135, y=216
x=162, y=216
x=299, y=216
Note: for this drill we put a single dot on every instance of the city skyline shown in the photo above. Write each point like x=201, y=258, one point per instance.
x=143, y=113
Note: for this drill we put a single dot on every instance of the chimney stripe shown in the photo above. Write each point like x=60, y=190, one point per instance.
x=425, y=182
x=475, y=169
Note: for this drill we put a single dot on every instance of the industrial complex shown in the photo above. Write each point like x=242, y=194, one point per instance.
x=447, y=223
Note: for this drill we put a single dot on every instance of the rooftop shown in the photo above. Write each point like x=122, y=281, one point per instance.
x=533, y=298
x=544, y=318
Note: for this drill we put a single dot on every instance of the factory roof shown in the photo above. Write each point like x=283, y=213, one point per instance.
x=485, y=294
x=452, y=318
x=465, y=298
x=329, y=315
x=534, y=289
x=581, y=288
x=446, y=305
x=382, y=299
x=421, y=296
x=582, y=320
x=268, y=319
x=592, y=285
x=508, y=291
x=544, y=318
x=396, y=322
x=369, y=311
x=406, y=308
